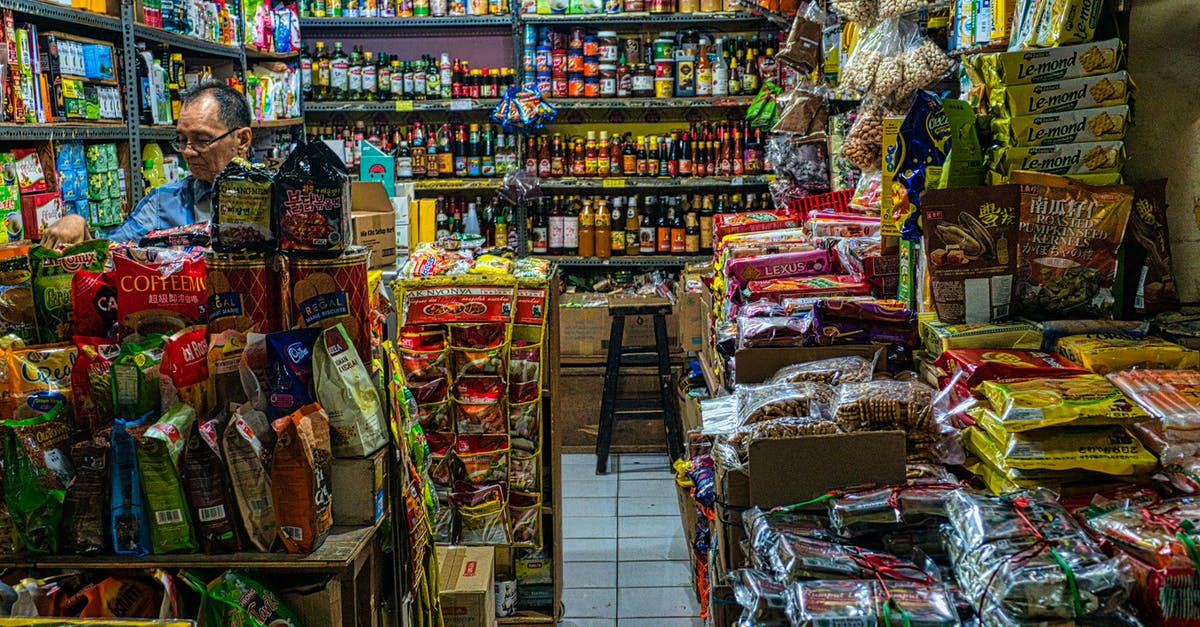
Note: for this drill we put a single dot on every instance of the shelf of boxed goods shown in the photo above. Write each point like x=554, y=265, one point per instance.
x=63, y=14
x=95, y=130
x=650, y=103
x=732, y=18
x=403, y=22
x=185, y=42
x=453, y=104
x=628, y=260
x=648, y=182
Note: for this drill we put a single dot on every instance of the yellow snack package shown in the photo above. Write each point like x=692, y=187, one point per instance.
x=1109, y=450
x=1086, y=400
x=1103, y=353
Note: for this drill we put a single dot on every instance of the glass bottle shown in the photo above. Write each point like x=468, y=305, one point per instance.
x=587, y=230
x=306, y=73
x=617, y=226
x=541, y=231
x=647, y=238
x=322, y=79
x=571, y=228
x=557, y=240
x=603, y=229
x=632, y=227
x=663, y=228
x=678, y=230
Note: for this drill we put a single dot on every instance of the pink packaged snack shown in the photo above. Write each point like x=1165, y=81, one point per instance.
x=754, y=221
x=806, y=263
x=799, y=287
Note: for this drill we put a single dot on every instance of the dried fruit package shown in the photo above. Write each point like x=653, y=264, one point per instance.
x=312, y=201
x=299, y=479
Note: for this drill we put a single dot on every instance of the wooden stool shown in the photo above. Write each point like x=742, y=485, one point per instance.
x=663, y=407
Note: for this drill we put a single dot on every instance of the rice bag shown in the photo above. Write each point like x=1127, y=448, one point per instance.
x=210, y=495
x=312, y=201
x=130, y=520
x=289, y=370
x=348, y=396
x=241, y=217
x=53, y=273
x=247, y=444
x=300, y=471
x=159, y=451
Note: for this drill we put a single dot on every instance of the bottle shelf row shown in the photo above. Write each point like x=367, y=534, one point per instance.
x=729, y=18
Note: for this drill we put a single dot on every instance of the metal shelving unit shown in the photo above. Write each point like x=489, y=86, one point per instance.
x=266, y=55
x=156, y=133
x=454, y=104
x=452, y=184
x=618, y=182
x=65, y=131
x=628, y=261
x=343, y=23
x=277, y=123
x=191, y=44
x=649, y=103
x=730, y=18
x=63, y=15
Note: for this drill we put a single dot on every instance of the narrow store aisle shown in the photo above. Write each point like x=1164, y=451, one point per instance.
x=624, y=557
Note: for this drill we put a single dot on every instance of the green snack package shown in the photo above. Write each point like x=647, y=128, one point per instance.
x=964, y=161
x=135, y=378
x=52, y=274
x=158, y=451
x=35, y=510
x=235, y=599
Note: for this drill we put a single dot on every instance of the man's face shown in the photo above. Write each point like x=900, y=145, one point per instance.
x=198, y=124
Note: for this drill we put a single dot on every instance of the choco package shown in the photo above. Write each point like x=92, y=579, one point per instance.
x=311, y=202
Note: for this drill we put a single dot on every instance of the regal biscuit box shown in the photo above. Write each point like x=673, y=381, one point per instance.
x=1104, y=90
x=1086, y=125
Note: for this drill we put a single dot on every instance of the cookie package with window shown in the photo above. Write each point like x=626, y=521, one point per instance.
x=311, y=202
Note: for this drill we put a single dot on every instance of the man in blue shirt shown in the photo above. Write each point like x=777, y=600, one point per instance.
x=213, y=128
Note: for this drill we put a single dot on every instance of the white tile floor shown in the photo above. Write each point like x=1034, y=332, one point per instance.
x=625, y=561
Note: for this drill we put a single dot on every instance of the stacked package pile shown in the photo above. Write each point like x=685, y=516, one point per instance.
x=472, y=352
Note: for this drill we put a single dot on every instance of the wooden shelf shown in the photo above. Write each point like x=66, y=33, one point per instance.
x=256, y=54
x=339, y=551
x=277, y=123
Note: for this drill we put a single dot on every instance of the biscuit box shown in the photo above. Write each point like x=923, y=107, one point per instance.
x=1051, y=64
x=1104, y=90
x=1086, y=125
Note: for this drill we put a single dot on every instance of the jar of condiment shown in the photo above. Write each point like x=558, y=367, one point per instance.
x=591, y=67
x=591, y=87
x=558, y=60
x=609, y=47
x=635, y=6
x=633, y=50
x=576, y=41
x=608, y=80
x=558, y=83
x=575, y=85
x=591, y=46
x=643, y=81
x=624, y=81
x=574, y=61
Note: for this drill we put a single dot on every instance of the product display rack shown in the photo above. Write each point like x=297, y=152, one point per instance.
x=343, y=23
x=628, y=260
x=731, y=18
x=353, y=106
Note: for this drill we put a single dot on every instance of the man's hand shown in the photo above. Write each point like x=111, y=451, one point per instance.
x=69, y=230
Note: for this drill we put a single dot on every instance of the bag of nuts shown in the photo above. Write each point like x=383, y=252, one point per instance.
x=759, y=403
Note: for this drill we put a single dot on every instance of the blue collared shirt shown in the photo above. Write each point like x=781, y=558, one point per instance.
x=183, y=202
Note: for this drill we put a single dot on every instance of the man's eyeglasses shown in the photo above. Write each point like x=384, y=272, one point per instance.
x=180, y=143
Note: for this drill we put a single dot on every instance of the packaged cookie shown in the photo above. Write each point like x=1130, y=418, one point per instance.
x=830, y=371
x=1089, y=92
x=884, y=404
x=1082, y=400
x=759, y=403
x=1063, y=159
x=1103, y=353
x=1069, y=127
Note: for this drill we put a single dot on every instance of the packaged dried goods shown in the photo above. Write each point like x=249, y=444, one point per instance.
x=832, y=371
x=241, y=220
x=1105, y=353
x=1084, y=400
x=760, y=403
x=312, y=201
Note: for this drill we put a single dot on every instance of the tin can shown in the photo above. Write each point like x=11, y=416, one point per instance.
x=575, y=61
x=591, y=87
x=559, y=85
x=244, y=293
x=634, y=6
x=575, y=86
x=530, y=35
x=664, y=68
x=325, y=292
x=591, y=67
x=541, y=59
x=558, y=60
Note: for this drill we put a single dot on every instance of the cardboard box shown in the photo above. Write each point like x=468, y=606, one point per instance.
x=580, y=420
x=467, y=585
x=584, y=326
x=690, y=315
x=755, y=365
x=373, y=221
x=688, y=516
x=689, y=411
x=359, y=489
x=319, y=603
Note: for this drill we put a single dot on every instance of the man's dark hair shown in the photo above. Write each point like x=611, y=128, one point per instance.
x=232, y=108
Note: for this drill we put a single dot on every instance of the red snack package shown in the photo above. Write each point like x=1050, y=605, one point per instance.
x=95, y=297
x=91, y=383
x=800, y=287
x=161, y=290
x=988, y=364
x=185, y=365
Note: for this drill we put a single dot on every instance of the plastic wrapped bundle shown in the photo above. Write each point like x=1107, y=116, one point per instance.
x=1159, y=532
x=763, y=599
x=870, y=510
x=764, y=530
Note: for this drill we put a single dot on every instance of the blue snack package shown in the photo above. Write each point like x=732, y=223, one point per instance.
x=130, y=522
x=923, y=142
x=289, y=370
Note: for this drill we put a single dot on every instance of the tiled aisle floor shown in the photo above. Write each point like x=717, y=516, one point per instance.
x=624, y=557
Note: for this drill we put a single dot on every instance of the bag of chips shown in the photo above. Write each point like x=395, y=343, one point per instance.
x=35, y=510
x=184, y=370
x=241, y=217
x=53, y=273
x=136, y=378
x=289, y=370
x=159, y=450
x=1103, y=353
x=17, y=312
x=312, y=201
x=300, y=469
x=209, y=492
x=91, y=383
x=160, y=290
x=130, y=522
x=94, y=295
x=247, y=444
x=84, y=507
x=348, y=395
x=236, y=599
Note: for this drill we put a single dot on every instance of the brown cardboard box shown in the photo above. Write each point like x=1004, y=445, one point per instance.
x=815, y=465
x=583, y=331
x=373, y=221
x=318, y=603
x=467, y=585
x=359, y=489
x=580, y=421
x=755, y=365
x=690, y=314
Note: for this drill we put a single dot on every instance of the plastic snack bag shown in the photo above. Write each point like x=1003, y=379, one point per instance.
x=129, y=515
x=289, y=370
x=83, y=523
x=299, y=478
x=312, y=202
x=159, y=450
x=348, y=396
x=241, y=220
x=35, y=510
x=247, y=444
x=52, y=277
x=234, y=598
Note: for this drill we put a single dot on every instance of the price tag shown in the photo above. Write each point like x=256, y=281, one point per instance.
x=737, y=180
x=613, y=183
x=404, y=105
x=462, y=104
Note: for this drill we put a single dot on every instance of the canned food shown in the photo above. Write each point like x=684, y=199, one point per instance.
x=325, y=292
x=243, y=293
